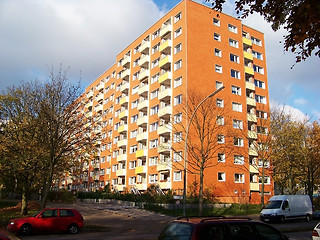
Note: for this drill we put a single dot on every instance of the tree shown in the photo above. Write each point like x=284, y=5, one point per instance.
x=300, y=18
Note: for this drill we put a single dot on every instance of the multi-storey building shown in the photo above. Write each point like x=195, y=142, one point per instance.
x=191, y=48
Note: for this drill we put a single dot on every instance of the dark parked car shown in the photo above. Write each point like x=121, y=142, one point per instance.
x=219, y=228
x=49, y=219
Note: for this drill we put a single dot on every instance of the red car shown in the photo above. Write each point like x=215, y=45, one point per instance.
x=49, y=219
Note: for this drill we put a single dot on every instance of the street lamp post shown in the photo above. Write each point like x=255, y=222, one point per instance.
x=186, y=148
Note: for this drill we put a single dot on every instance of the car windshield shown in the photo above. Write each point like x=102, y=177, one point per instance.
x=273, y=204
x=176, y=231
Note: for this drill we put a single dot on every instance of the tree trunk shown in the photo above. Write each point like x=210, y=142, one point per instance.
x=24, y=202
x=201, y=193
x=262, y=186
x=47, y=187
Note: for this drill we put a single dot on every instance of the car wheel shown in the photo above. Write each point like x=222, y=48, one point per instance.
x=25, y=229
x=73, y=228
x=308, y=218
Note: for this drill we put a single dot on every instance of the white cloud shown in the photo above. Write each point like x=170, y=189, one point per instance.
x=300, y=101
x=289, y=110
x=85, y=34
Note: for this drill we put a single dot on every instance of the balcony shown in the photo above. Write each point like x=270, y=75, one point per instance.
x=126, y=61
x=124, y=87
x=166, y=61
x=165, y=93
x=88, y=114
x=253, y=151
x=125, y=74
x=96, y=165
x=121, y=172
x=248, y=55
x=166, y=29
x=167, y=76
x=100, y=86
x=145, y=46
x=89, y=104
x=124, y=100
x=165, y=46
x=164, y=147
x=165, y=185
x=251, y=101
x=254, y=187
x=141, y=186
x=249, y=70
x=141, y=153
x=165, y=111
x=252, y=134
x=123, y=128
x=98, y=108
x=162, y=166
x=247, y=41
x=253, y=169
x=145, y=74
x=143, y=104
x=90, y=94
x=142, y=120
x=122, y=143
x=144, y=61
x=122, y=157
x=99, y=97
x=143, y=89
x=250, y=86
x=251, y=117
x=123, y=114
x=141, y=169
x=167, y=128
x=142, y=136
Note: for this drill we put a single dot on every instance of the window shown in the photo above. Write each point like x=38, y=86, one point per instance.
x=177, y=156
x=259, y=84
x=156, y=34
x=153, y=161
x=237, y=107
x=219, y=102
x=133, y=149
x=154, y=126
x=155, y=48
x=220, y=120
x=238, y=142
x=177, y=118
x=235, y=74
x=178, y=99
x=153, y=143
x=134, y=104
x=219, y=84
x=266, y=163
x=261, y=114
x=154, y=110
x=135, y=75
x=221, y=176
x=237, y=124
x=177, y=32
x=232, y=28
x=155, y=78
x=216, y=22
x=221, y=157
x=262, y=130
x=233, y=43
x=177, y=17
x=135, y=89
x=132, y=164
x=178, y=64
x=132, y=180
x=217, y=37
x=217, y=52
x=136, y=49
x=234, y=58
x=256, y=41
x=177, y=137
x=177, y=82
x=235, y=90
x=257, y=55
x=258, y=69
x=133, y=133
x=154, y=94
x=153, y=178
x=218, y=68
x=177, y=176
x=261, y=99
x=238, y=159
x=220, y=138
x=238, y=178
x=134, y=118
x=177, y=48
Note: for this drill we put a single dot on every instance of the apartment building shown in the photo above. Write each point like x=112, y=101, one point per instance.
x=191, y=48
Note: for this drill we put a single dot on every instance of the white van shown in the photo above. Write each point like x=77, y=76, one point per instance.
x=283, y=207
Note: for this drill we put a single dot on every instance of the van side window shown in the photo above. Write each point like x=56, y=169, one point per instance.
x=285, y=205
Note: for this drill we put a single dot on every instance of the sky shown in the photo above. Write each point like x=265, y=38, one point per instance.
x=86, y=36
